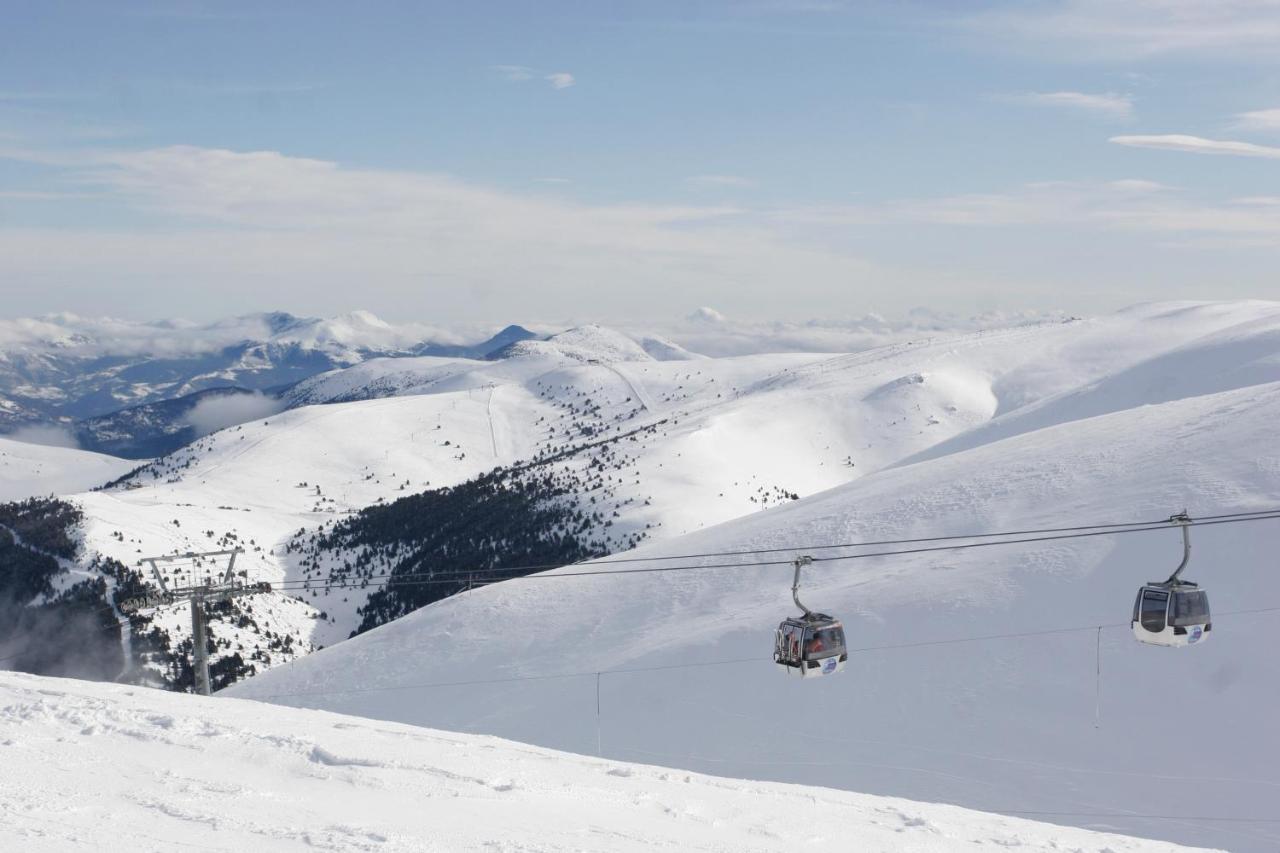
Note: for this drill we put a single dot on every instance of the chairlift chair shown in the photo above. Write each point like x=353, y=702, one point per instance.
x=1173, y=612
x=810, y=645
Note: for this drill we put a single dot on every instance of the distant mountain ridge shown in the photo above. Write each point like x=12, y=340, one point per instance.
x=140, y=390
x=510, y=335
x=125, y=387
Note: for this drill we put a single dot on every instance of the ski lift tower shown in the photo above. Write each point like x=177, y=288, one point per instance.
x=214, y=587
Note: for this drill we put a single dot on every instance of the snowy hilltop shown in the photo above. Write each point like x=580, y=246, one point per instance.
x=31, y=469
x=166, y=772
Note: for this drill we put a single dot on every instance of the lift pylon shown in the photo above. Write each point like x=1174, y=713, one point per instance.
x=220, y=587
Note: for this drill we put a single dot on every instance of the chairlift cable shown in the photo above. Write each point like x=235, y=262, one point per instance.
x=1159, y=523
x=481, y=579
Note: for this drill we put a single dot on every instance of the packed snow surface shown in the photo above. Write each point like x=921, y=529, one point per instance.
x=37, y=470
x=95, y=767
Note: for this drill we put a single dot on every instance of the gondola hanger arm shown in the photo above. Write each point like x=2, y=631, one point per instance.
x=1183, y=520
x=800, y=562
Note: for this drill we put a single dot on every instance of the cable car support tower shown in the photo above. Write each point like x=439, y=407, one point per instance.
x=215, y=588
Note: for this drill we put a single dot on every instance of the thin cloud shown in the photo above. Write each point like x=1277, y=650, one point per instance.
x=18, y=97
x=719, y=181
x=219, y=411
x=1137, y=185
x=525, y=73
x=49, y=157
x=1234, y=244
x=190, y=87
x=202, y=12
x=235, y=225
x=1107, y=104
x=1198, y=145
x=514, y=73
x=1267, y=121
x=49, y=436
x=1131, y=204
x=1137, y=29
x=709, y=332
x=791, y=7
x=41, y=195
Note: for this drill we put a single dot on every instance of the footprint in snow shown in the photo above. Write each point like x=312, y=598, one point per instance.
x=911, y=822
x=320, y=755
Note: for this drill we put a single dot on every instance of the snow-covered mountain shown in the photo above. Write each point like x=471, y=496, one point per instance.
x=670, y=447
x=590, y=344
x=82, y=373
x=517, y=362
x=1158, y=743
x=1134, y=415
x=223, y=774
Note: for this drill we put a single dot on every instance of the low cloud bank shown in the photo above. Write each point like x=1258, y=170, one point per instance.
x=220, y=411
x=710, y=332
x=48, y=436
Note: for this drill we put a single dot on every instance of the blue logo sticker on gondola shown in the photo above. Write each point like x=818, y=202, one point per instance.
x=1196, y=633
x=829, y=665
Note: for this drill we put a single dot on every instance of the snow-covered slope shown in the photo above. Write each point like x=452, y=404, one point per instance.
x=257, y=484
x=663, y=349
x=729, y=436
x=30, y=470
x=155, y=771
x=1245, y=352
x=392, y=377
x=1161, y=743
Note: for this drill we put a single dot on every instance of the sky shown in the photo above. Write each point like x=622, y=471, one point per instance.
x=515, y=161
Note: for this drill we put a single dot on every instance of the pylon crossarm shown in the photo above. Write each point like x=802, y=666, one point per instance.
x=224, y=589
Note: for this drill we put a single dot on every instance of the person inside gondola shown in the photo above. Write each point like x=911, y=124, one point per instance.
x=815, y=645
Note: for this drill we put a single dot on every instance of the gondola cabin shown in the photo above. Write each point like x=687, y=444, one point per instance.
x=1172, y=613
x=810, y=646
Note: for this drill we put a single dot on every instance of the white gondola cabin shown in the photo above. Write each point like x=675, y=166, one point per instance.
x=1172, y=612
x=812, y=644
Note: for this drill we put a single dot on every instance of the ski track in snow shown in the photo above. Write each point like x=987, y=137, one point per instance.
x=493, y=430
x=639, y=393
